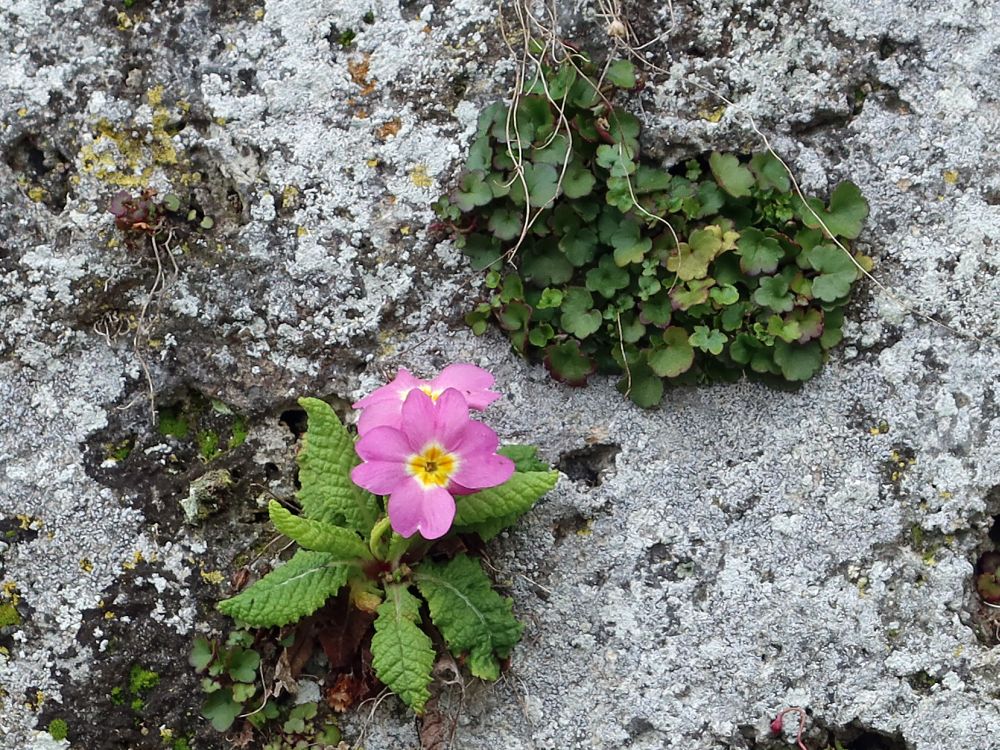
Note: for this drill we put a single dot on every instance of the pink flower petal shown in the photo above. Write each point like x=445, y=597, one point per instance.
x=380, y=477
x=451, y=418
x=387, y=413
x=413, y=508
x=419, y=417
x=483, y=470
x=396, y=390
x=473, y=382
x=384, y=444
x=475, y=438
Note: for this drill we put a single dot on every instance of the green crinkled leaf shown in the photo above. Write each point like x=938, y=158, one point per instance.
x=221, y=709
x=318, y=536
x=837, y=272
x=621, y=73
x=607, y=278
x=675, y=357
x=480, y=155
x=505, y=223
x=731, y=175
x=773, y=292
x=687, y=295
x=546, y=266
x=578, y=314
x=798, y=362
x=691, y=259
x=651, y=180
x=708, y=340
x=553, y=153
x=770, y=173
x=725, y=295
x=402, y=654
x=623, y=127
x=758, y=252
x=568, y=364
x=472, y=191
x=472, y=617
x=512, y=498
x=525, y=457
x=286, y=594
x=644, y=387
x=562, y=82
x=845, y=215
x=579, y=246
x=202, y=654
x=578, y=181
x=242, y=664
x=490, y=116
x=658, y=309
x=616, y=158
x=542, y=181
x=325, y=462
x=483, y=250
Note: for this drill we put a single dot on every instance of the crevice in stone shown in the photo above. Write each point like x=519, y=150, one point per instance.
x=591, y=464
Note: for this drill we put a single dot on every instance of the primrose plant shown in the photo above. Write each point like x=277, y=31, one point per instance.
x=421, y=471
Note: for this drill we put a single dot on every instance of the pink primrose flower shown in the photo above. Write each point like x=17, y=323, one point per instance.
x=384, y=407
x=434, y=453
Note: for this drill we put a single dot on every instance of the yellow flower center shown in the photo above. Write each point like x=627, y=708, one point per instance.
x=435, y=395
x=433, y=466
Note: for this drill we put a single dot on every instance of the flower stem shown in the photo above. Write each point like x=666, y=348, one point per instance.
x=378, y=531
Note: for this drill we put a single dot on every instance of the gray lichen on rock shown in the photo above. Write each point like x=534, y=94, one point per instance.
x=746, y=549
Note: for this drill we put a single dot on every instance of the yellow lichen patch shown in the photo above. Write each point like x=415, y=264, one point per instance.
x=22, y=112
x=301, y=231
x=213, y=577
x=404, y=230
x=86, y=565
x=289, y=196
x=950, y=176
x=136, y=559
x=881, y=428
x=155, y=96
x=420, y=178
x=37, y=194
x=258, y=15
x=389, y=129
x=109, y=615
x=124, y=22
x=32, y=523
x=126, y=157
x=372, y=163
x=712, y=115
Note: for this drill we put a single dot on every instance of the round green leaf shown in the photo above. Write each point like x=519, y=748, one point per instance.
x=505, y=223
x=675, y=357
x=798, y=362
x=731, y=175
x=621, y=73
x=568, y=364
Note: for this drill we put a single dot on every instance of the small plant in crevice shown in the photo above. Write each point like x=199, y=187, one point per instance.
x=233, y=683
x=988, y=578
x=143, y=220
x=599, y=262
x=385, y=528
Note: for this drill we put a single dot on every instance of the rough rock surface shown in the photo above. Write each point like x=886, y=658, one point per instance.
x=701, y=566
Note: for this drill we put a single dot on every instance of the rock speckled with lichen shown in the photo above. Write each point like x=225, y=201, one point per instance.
x=700, y=566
